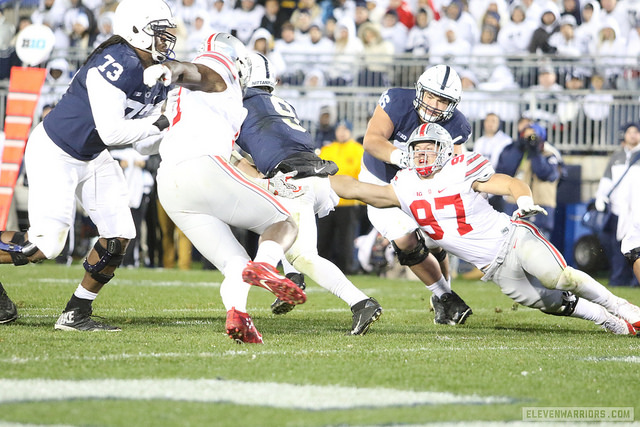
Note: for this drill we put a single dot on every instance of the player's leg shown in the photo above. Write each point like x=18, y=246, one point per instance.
x=526, y=289
x=305, y=258
x=542, y=260
x=103, y=193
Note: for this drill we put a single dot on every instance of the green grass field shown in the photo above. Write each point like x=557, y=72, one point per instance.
x=406, y=370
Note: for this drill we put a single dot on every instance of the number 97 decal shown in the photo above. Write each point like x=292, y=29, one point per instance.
x=423, y=213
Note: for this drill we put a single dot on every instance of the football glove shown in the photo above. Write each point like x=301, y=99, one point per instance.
x=157, y=73
x=400, y=158
x=526, y=208
x=280, y=185
x=601, y=204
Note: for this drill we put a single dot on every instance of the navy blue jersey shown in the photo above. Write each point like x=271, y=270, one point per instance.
x=71, y=125
x=398, y=104
x=271, y=132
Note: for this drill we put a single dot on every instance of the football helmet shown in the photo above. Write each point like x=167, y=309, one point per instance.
x=233, y=48
x=143, y=23
x=430, y=132
x=440, y=80
x=262, y=74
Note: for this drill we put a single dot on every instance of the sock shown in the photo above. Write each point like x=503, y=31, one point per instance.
x=588, y=310
x=441, y=287
x=584, y=286
x=270, y=252
x=287, y=267
x=81, y=299
x=329, y=276
x=233, y=290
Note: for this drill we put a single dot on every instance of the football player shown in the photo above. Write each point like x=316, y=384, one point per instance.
x=107, y=104
x=443, y=195
x=276, y=141
x=398, y=113
x=204, y=194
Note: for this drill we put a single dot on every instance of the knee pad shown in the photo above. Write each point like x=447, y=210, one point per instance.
x=440, y=256
x=414, y=256
x=19, y=248
x=632, y=256
x=112, y=255
x=567, y=307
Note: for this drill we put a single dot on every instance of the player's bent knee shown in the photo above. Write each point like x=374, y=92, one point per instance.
x=111, y=255
x=413, y=256
x=570, y=278
x=632, y=256
x=21, y=250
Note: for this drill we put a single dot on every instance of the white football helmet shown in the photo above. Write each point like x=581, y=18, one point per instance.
x=430, y=132
x=440, y=80
x=230, y=46
x=142, y=22
x=262, y=74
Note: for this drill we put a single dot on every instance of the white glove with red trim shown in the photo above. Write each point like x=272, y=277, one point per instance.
x=526, y=208
x=157, y=73
x=280, y=185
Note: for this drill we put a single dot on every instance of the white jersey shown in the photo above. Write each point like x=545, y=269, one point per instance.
x=222, y=112
x=457, y=218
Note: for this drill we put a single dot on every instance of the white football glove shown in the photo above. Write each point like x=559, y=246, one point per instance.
x=170, y=105
x=526, y=208
x=280, y=185
x=157, y=73
x=400, y=158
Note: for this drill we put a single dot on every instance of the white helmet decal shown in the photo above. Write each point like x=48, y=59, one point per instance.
x=261, y=72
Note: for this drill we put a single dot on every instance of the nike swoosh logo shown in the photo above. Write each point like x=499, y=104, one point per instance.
x=316, y=170
x=440, y=191
x=263, y=282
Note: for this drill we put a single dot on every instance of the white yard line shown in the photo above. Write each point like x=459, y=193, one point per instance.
x=275, y=395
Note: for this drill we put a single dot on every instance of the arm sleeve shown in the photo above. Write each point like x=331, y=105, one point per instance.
x=545, y=168
x=108, y=104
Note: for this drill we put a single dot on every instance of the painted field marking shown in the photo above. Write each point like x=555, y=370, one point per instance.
x=275, y=395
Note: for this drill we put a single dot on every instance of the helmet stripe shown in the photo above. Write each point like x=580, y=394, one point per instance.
x=446, y=77
x=220, y=58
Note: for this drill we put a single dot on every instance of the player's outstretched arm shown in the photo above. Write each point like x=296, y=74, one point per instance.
x=186, y=74
x=376, y=139
x=504, y=185
x=379, y=196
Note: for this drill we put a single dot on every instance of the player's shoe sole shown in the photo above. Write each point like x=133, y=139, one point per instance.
x=265, y=276
x=8, y=310
x=281, y=307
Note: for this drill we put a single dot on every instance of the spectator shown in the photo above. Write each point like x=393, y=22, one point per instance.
x=201, y=29
x=343, y=9
x=338, y=230
x=565, y=41
x=515, y=35
x=545, y=94
x=462, y=23
x=587, y=32
x=493, y=139
x=56, y=82
x=362, y=14
x=536, y=162
x=423, y=35
x=273, y=19
x=320, y=49
x=105, y=28
x=570, y=102
x=325, y=131
x=403, y=11
x=294, y=53
x=186, y=12
x=616, y=11
x=376, y=10
x=246, y=19
x=548, y=25
x=348, y=48
x=572, y=8
x=80, y=24
x=472, y=102
x=394, y=31
x=308, y=7
x=609, y=52
x=314, y=96
x=302, y=24
x=8, y=56
x=631, y=77
x=620, y=273
x=220, y=17
x=378, y=57
x=453, y=49
x=487, y=55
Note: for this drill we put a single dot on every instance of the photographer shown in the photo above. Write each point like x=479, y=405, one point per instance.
x=536, y=162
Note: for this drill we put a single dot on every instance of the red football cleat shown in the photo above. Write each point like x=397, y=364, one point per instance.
x=265, y=276
x=240, y=327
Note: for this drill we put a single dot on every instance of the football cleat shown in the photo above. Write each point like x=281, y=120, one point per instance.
x=281, y=307
x=618, y=325
x=365, y=313
x=79, y=320
x=440, y=317
x=457, y=310
x=240, y=327
x=265, y=276
x=8, y=310
x=629, y=312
